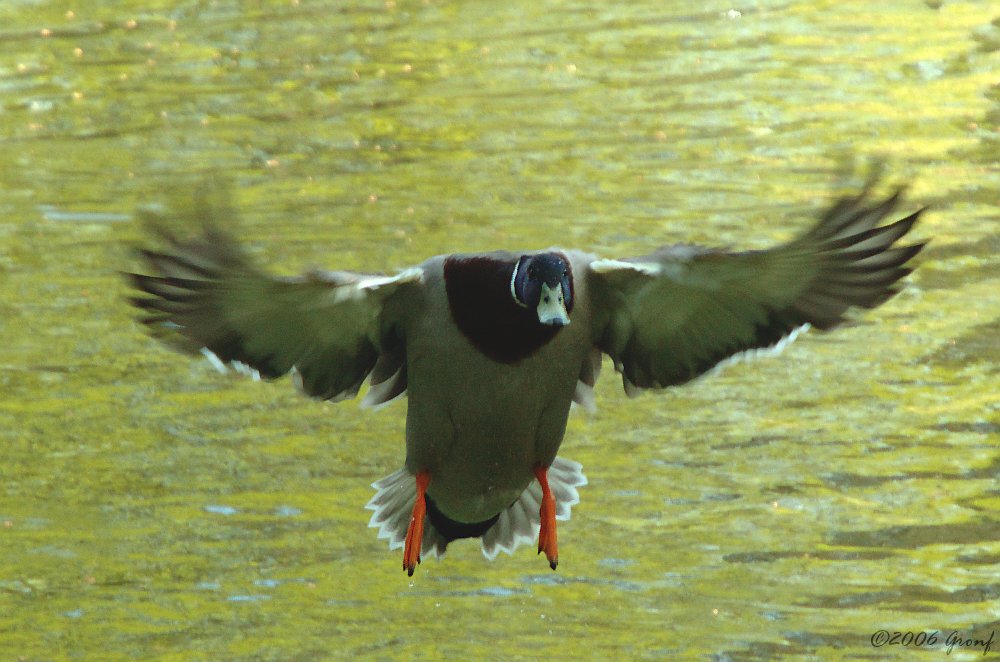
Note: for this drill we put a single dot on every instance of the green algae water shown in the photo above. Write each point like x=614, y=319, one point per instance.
x=151, y=508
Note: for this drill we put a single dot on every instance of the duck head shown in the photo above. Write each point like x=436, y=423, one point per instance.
x=544, y=283
x=509, y=308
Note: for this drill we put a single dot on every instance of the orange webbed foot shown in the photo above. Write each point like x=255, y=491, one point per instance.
x=547, y=532
x=415, y=532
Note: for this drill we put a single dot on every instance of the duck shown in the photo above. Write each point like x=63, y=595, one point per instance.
x=492, y=349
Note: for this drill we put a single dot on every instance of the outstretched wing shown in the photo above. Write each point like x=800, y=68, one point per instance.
x=668, y=317
x=327, y=328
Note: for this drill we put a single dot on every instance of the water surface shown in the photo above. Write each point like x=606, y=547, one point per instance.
x=153, y=509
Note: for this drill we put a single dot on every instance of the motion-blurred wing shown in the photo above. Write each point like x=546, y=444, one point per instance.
x=327, y=328
x=668, y=317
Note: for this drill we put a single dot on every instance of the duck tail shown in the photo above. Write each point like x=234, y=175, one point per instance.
x=393, y=505
x=519, y=524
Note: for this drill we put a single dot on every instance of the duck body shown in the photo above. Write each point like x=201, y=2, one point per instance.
x=480, y=424
x=491, y=349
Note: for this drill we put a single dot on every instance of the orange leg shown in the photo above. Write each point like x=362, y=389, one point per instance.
x=415, y=532
x=547, y=534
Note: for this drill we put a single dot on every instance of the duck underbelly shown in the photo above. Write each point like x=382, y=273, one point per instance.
x=482, y=438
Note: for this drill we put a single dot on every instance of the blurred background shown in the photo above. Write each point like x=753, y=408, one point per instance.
x=152, y=508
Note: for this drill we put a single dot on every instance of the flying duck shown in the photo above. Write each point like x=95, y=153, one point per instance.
x=492, y=349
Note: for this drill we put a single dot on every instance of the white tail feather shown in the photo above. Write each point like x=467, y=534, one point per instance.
x=396, y=493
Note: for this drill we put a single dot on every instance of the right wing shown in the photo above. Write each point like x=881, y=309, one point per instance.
x=668, y=317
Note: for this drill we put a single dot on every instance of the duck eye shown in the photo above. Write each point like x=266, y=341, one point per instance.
x=532, y=273
x=565, y=273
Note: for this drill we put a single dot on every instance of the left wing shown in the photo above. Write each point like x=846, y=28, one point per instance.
x=329, y=329
x=668, y=317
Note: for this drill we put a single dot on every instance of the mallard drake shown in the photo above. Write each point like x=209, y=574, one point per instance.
x=492, y=348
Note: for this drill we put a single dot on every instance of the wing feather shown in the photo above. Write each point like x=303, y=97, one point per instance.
x=327, y=328
x=671, y=316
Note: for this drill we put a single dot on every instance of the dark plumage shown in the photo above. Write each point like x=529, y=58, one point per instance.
x=481, y=304
x=493, y=348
